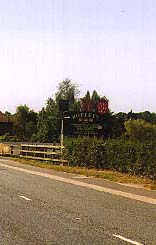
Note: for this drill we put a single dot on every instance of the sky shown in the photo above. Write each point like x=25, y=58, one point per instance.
x=103, y=45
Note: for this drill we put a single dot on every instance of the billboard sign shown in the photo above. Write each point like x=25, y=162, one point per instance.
x=82, y=123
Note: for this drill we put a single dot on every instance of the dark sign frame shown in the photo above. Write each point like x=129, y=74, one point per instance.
x=82, y=123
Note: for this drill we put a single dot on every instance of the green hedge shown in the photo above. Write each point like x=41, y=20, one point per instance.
x=119, y=155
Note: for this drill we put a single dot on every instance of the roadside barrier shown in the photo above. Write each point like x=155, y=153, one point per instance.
x=5, y=149
x=42, y=152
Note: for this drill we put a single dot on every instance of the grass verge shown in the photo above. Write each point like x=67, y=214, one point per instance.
x=104, y=174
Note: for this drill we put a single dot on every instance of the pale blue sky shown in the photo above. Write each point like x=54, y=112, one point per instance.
x=107, y=45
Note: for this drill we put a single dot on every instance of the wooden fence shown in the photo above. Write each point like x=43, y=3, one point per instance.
x=5, y=149
x=43, y=152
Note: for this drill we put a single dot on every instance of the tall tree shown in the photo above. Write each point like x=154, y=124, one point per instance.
x=25, y=123
x=49, y=119
x=87, y=102
x=95, y=99
x=67, y=90
x=48, y=126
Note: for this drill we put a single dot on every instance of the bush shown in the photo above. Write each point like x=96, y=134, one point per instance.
x=8, y=138
x=120, y=155
x=139, y=130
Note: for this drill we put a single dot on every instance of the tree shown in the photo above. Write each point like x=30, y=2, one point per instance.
x=87, y=102
x=49, y=118
x=95, y=99
x=121, y=116
x=42, y=128
x=48, y=127
x=140, y=130
x=25, y=123
x=67, y=90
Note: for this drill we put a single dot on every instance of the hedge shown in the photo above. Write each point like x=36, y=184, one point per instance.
x=114, y=154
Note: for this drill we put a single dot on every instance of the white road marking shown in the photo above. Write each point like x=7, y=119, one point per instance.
x=26, y=198
x=82, y=184
x=127, y=240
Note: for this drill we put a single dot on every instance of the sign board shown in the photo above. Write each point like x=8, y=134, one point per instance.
x=63, y=105
x=82, y=123
x=102, y=106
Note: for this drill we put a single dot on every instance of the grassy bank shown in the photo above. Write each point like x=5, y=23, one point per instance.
x=104, y=174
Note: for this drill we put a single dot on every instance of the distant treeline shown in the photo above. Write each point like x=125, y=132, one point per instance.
x=147, y=116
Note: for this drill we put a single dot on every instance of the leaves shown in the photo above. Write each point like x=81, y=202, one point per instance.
x=140, y=130
x=114, y=154
x=25, y=123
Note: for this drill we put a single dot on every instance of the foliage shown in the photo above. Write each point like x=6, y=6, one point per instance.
x=25, y=122
x=140, y=130
x=48, y=126
x=129, y=139
x=67, y=90
x=8, y=138
x=114, y=154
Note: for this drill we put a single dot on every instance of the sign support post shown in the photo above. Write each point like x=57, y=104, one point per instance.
x=63, y=106
x=61, y=140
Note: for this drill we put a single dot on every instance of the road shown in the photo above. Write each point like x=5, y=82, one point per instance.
x=41, y=206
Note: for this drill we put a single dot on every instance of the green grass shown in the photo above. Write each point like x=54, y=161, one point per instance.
x=104, y=174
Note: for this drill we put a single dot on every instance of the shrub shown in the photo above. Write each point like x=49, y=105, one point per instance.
x=114, y=154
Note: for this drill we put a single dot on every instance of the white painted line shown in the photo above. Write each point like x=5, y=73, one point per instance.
x=86, y=185
x=26, y=198
x=127, y=240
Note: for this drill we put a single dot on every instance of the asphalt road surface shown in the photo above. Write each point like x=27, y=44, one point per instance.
x=39, y=206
